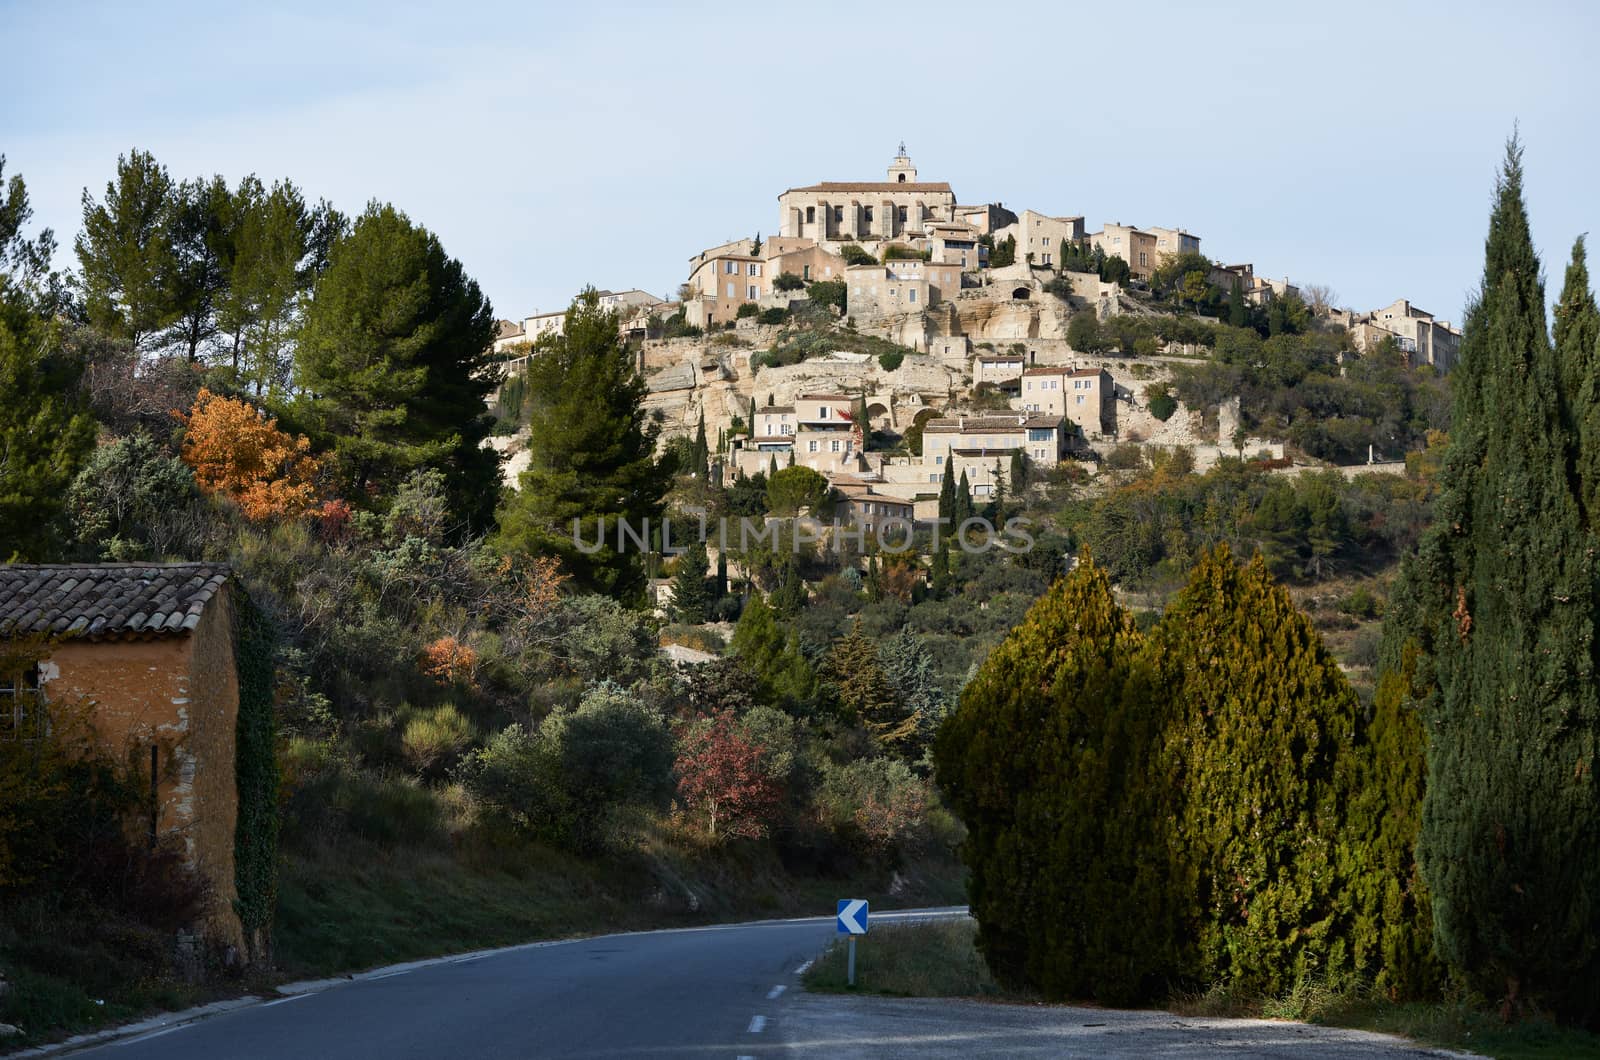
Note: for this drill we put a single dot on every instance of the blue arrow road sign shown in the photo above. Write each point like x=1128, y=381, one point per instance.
x=852, y=916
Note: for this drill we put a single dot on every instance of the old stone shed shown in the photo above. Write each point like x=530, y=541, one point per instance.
x=151, y=647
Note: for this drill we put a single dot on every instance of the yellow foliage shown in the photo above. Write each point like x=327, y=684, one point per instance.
x=237, y=450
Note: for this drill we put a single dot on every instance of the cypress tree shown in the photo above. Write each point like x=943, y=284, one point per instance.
x=1019, y=473
x=1046, y=760
x=1504, y=598
x=393, y=355
x=1577, y=342
x=947, y=495
x=939, y=575
x=1261, y=747
x=1238, y=312
x=593, y=455
x=690, y=594
x=962, y=509
x=702, y=454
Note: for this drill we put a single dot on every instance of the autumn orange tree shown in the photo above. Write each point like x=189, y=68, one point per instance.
x=237, y=450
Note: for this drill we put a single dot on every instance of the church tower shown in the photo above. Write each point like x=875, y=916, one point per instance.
x=902, y=171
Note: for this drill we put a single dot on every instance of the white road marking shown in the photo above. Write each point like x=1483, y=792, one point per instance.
x=292, y=997
x=772, y=995
x=757, y=1023
x=154, y=1034
x=387, y=975
x=802, y=969
x=743, y=1057
x=469, y=960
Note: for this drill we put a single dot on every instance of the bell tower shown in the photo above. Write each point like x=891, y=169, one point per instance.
x=901, y=171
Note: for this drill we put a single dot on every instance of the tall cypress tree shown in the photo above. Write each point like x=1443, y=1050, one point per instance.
x=393, y=352
x=1505, y=602
x=947, y=495
x=1577, y=341
x=593, y=455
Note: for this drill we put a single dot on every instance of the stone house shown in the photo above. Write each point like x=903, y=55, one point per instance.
x=150, y=648
x=1001, y=369
x=862, y=504
x=1142, y=249
x=724, y=278
x=899, y=286
x=827, y=438
x=1086, y=396
x=1041, y=236
x=1421, y=337
x=982, y=446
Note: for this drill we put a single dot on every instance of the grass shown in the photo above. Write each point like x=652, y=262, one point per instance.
x=360, y=904
x=939, y=959
x=931, y=959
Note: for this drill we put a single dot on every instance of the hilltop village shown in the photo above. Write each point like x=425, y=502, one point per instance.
x=888, y=335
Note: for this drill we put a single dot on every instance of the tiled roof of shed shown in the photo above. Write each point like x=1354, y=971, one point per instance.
x=106, y=599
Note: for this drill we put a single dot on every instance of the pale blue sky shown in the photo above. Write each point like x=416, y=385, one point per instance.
x=553, y=145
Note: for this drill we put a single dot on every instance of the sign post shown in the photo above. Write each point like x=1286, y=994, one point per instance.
x=852, y=921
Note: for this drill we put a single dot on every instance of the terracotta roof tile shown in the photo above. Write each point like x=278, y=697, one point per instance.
x=106, y=599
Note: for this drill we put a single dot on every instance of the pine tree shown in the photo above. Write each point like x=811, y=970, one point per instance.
x=913, y=673
x=45, y=430
x=393, y=355
x=593, y=455
x=772, y=653
x=125, y=256
x=866, y=695
x=690, y=595
x=198, y=237
x=1505, y=599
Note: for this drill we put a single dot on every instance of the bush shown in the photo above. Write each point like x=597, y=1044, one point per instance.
x=792, y=489
x=434, y=739
x=788, y=281
x=1162, y=403
x=746, y=309
x=830, y=293
x=773, y=316
x=853, y=254
x=891, y=360
x=1128, y=456
x=1193, y=806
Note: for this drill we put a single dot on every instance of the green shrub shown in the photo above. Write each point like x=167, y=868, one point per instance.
x=788, y=281
x=891, y=360
x=854, y=254
x=776, y=315
x=433, y=739
x=1162, y=403
x=746, y=309
x=830, y=293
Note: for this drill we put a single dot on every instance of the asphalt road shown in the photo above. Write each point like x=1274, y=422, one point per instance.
x=700, y=992
x=729, y=992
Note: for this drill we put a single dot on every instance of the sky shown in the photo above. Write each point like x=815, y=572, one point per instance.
x=552, y=146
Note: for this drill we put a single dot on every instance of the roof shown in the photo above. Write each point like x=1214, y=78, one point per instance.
x=782, y=409
x=107, y=599
x=1002, y=358
x=824, y=397
x=505, y=329
x=989, y=424
x=877, y=185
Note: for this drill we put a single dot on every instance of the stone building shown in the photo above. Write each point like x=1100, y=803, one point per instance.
x=1142, y=249
x=982, y=446
x=900, y=286
x=723, y=278
x=150, y=649
x=1041, y=236
x=1085, y=396
x=837, y=212
x=1421, y=337
x=864, y=504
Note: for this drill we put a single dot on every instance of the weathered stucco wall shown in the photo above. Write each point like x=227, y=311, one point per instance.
x=181, y=695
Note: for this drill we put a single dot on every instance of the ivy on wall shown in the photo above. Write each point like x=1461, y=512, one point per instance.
x=255, y=837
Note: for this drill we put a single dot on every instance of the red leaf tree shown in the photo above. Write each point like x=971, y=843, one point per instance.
x=723, y=775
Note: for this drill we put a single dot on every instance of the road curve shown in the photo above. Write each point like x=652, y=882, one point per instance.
x=692, y=992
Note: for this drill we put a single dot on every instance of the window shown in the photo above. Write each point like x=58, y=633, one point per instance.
x=1080, y=399
x=21, y=703
x=834, y=447
x=822, y=413
x=730, y=290
x=811, y=446
x=912, y=294
x=755, y=292
x=838, y=215
x=805, y=272
x=754, y=270
x=902, y=215
x=730, y=267
x=938, y=460
x=1039, y=434
x=1144, y=259
x=811, y=215
x=866, y=214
